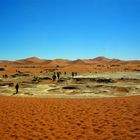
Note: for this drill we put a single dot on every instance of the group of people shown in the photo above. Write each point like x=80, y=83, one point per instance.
x=5, y=76
x=56, y=75
x=74, y=74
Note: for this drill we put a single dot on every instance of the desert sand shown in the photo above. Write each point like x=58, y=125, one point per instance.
x=70, y=119
x=102, y=102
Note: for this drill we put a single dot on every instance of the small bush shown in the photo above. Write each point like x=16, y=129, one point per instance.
x=70, y=87
x=2, y=69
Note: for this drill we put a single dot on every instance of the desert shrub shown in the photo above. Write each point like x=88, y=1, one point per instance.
x=61, y=80
x=45, y=78
x=2, y=69
x=115, y=65
x=70, y=87
x=104, y=80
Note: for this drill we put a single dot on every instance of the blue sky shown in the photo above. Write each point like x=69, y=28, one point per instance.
x=69, y=29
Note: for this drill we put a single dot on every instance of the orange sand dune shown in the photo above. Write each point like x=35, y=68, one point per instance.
x=99, y=64
x=70, y=119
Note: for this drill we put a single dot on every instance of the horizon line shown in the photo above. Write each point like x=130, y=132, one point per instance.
x=68, y=58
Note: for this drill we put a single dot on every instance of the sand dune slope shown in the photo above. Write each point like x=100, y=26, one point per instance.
x=70, y=119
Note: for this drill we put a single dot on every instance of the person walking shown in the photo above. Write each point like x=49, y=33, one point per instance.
x=72, y=74
x=17, y=88
x=58, y=75
x=54, y=77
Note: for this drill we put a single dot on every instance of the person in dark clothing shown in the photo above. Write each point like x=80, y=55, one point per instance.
x=54, y=77
x=17, y=87
x=6, y=76
x=72, y=74
x=58, y=75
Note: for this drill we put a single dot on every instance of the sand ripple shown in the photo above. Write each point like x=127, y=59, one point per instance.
x=70, y=119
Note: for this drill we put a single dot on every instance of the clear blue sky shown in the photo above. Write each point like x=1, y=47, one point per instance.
x=69, y=29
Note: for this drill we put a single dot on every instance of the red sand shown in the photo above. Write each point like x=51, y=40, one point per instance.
x=70, y=119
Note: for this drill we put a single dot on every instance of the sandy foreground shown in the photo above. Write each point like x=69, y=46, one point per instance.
x=69, y=119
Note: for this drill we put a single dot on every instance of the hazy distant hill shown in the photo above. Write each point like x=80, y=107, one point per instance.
x=65, y=62
x=31, y=60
